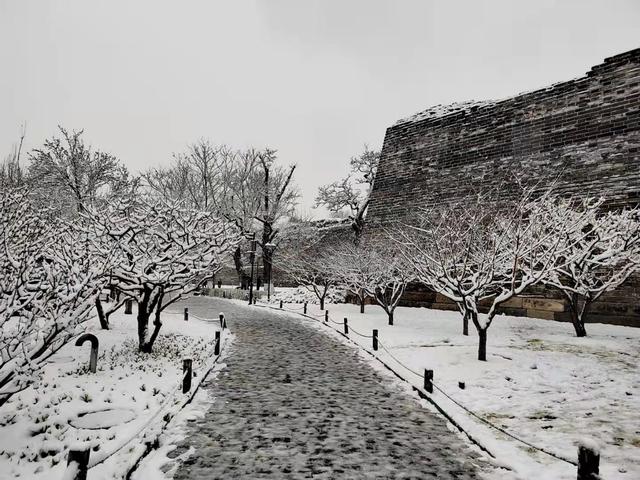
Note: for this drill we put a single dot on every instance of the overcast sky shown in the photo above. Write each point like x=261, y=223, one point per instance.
x=313, y=79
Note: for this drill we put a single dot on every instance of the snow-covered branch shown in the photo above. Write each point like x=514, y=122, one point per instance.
x=159, y=251
x=47, y=289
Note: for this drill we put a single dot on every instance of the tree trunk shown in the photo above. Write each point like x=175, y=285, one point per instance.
x=576, y=318
x=143, y=322
x=362, y=298
x=465, y=324
x=148, y=346
x=482, y=344
x=390, y=314
x=267, y=253
x=237, y=262
x=104, y=320
x=143, y=327
x=322, y=303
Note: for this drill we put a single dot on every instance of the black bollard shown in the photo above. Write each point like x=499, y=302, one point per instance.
x=375, y=339
x=588, y=463
x=305, y=308
x=216, y=348
x=223, y=321
x=346, y=326
x=186, y=314
x=428, y=380
x=80, y=459
x=326, y=316
x=187, y=372
x=280, y=303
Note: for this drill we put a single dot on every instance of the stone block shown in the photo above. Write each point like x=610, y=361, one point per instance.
x=541, y=304
x=544, y=314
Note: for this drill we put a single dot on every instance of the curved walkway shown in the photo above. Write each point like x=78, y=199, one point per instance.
x=296, y=403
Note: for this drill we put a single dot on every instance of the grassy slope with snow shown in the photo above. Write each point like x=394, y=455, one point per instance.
x=36, y=426
x=540, y=382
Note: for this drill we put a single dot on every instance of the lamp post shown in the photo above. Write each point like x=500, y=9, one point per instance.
x=269, y=248
x=252, y=258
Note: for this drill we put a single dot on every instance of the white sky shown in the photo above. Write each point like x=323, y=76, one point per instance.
x=313, y=79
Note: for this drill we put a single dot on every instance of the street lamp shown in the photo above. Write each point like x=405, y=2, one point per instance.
x=268, y=250
x=252, y=258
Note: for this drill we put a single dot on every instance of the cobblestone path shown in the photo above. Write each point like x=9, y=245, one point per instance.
x=295, y=403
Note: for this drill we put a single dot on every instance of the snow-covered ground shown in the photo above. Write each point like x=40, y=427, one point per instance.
x=540, y=382
x=115, y=411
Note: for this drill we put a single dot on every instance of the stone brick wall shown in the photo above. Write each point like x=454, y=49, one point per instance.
x=584, y=133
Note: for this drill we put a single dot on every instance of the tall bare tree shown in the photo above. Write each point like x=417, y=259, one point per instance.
x=351, y=194
x=66, y=166
x=246, y=187
x=11, y=172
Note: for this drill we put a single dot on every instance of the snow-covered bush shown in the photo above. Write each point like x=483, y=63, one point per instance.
x=303, y=294
x=47, y=288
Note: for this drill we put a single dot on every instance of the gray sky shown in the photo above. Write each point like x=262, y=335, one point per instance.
x=313, y=79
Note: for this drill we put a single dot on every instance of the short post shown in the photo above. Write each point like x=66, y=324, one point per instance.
x=186, y=314
x=223, y=322
x=326, y=316
x=588, y=463
x=187, y=372
x=216, y=348
x=280, y=303
x=93, y=357
x=346, y=326
x=428, y=380
x=80, y=460
x=375, y=339
x=461, y=385
x=305, y=308
x=219, y=283
x=224, y=294
x=128, y=306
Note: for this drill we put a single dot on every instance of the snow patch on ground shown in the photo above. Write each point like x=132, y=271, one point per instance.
x=121, y=406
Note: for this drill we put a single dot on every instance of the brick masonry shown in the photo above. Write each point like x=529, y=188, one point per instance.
x=584, y=133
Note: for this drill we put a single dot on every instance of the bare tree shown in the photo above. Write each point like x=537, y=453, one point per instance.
x=67, y=167
x=162, y=252
x=47, y=289
x=603, y=252
x=352, y=192
x=390, y=277
x=311, y=269
x=308, y=256
x=480, y=249
x=245, y=187
x=11, y=173
x=355, y=265
x=193, y=177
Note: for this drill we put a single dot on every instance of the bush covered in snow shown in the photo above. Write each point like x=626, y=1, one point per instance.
x=302, y=295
